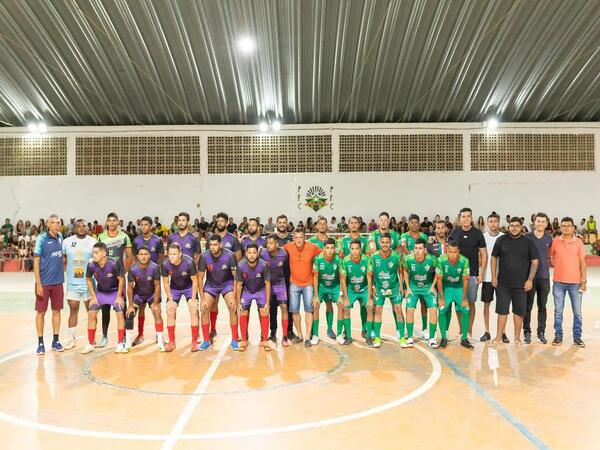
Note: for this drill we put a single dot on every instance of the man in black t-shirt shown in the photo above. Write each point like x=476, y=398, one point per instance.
x=514, y=264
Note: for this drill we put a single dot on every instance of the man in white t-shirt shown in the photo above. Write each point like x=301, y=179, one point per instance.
x=487, y=290
x=77, y=251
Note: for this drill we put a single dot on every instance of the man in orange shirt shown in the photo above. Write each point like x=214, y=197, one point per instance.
x=567, y=256
x=301, y=255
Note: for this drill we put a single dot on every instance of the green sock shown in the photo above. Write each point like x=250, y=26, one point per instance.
x=369, y=328
x=409, y=329
x=432, y=328
x=363, y=317
x=377, y=326
x=464, y=324
x=315, y=330
x=423, y=322
x=443, y=328
x=347, y=327
x=340, y=326
x=448, y=319
x=329, y=317
x=400, y=328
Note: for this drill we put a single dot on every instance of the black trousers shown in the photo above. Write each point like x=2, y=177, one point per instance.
x=274, y=311
x=540, y=289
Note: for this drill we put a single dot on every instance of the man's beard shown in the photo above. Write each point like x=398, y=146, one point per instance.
x=220, y=228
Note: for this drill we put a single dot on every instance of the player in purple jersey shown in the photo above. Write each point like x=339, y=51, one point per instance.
x=253, y=236
x=157, y=253
x=253, y=283
x=190, y=245
x=143, y=288
x=108, y=275
x=219, y=266
x=180, y=280
x=279, y=269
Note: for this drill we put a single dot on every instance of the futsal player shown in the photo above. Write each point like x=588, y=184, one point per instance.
x=189, y=244
x=384, y=228
x=321, y=237
x=252, y=236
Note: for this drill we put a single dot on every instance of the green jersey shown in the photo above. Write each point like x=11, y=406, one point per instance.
x=355, y=273
x=420, y=274
x=452, y=274
x=328, y=272
x=409, y=241
x=343, y=245
x=376, y=235
x=115, y=246
x=318, y=242
x=385, y=271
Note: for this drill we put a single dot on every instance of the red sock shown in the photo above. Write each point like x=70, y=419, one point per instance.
x=195, y=329
x=234, y=332
x=213, y=320
x=244, y=327
x=264, y=327
x=284, y=326
x=91, y=335
x=121, y=333
x=141, y=320
x=171, y=330
x=206, y=332
x=158, y=327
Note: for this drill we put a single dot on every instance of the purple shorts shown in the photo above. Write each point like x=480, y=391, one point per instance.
x=247, y=297
x=279, y=292
x=141, y=300
x=177, y=294
x=215, y=291
x=106, y=298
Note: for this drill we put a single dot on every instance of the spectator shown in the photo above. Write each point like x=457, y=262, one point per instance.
x=232, y=227
x=19, y=228
x=372, y=225
x=7, y=231
x=342, y=226
x=269, y=226
x=333, y=225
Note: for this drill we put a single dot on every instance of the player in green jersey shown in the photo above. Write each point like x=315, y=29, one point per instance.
x=452, y=274
x=407, y=242
x=321, y=237
x=357, y=284
x=384, y=228
x=326, y=281
x=419, y=278
x=385, y=265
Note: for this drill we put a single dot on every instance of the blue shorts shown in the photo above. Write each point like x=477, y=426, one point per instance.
x=301, y=293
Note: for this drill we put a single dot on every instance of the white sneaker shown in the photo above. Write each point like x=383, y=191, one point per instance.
x=425, y=335
x=120, y=348
x=340, y=339
x=103, y=342
x=314, y=340
x=410, y=342
x=161, y=347
x=433, y=343
x=89, y=348
x=69, y=345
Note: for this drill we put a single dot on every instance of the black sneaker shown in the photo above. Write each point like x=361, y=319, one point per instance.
x=542, y=339
x=291, y=336
x=486, y=337
x=505, y=338
x=331, y=334
x=347, y=341
x=307, y=343
x=466, y=344
x=579, y=342
x=296, y=340
x=443, y=343
x=273, y=338
x=557, y=340
x=527, y=338
x=369, y=341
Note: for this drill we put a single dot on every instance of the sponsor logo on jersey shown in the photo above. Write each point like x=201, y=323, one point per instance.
x=224, y=267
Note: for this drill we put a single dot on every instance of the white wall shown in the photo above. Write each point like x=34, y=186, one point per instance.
x=366, y=194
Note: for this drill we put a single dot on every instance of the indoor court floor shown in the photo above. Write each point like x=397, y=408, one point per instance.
x=329, y=396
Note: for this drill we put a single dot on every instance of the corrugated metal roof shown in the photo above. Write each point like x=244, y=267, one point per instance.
x=92, y=62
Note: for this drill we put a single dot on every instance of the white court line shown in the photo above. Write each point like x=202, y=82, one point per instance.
x=193, y=402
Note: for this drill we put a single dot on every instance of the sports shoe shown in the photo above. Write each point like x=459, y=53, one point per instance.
x=89, y=348
x=234, y=345
x=340, y=339
x=291, y=336
x=285, y=342
x=425, y=335
x=466, y=344
x=161, y=347
x=205, y=346
x=443, y=343
x=296, y=340
x=410, y=342
x=307, y=343
x=170, y=347
x=103, y=342
x=194, y=347
x=579, y=342
x=138, y=340
x=403, y=342
x=266, y=345
x=527, y=338
x=314, y=340
x=369, y=342
x=69, y=345
x=41, y=350
x=331, y=334
x=542, y=339
x=347, y=341
x=433, y=343
x=273, y=338
x=505, y=338
x=57, y=347
x=121, y=348
x=486, y=337
x=377, y=342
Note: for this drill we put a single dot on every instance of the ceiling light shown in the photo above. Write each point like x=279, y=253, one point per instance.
x=276, y=126
x=246, y=45
x=491, y=125
x=32, y=127
x=42, y=128
x=264, y=127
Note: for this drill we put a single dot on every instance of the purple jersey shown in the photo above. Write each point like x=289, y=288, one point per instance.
x=219, y=269
x=143, y=278
x=277, y=264
x=230, y=242
x=154, y=244
x=180, y=276
x=107, y=277
x=253, y=278
x=190, y=245
x=260, y=241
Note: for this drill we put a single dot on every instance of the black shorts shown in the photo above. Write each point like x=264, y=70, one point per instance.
x=487, y=292
x=505, y=296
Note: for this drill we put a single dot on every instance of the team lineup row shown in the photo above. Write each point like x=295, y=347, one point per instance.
x=354, y=269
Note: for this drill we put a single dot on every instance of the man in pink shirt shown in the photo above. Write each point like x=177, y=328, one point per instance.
x=567, y=256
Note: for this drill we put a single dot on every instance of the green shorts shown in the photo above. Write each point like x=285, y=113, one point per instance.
x=417, y=294
x=392, y=294
x=361, y=297
x=328, y=296
x=453, y=295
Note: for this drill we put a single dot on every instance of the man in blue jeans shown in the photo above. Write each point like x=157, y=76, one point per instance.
x=567, y=256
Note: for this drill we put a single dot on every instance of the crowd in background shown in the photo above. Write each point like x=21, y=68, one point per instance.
x=17, y=241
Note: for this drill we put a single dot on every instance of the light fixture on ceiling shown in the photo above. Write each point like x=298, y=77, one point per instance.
x=37, y=128
x=246, y=45
x=264, y=127
x=491, y=125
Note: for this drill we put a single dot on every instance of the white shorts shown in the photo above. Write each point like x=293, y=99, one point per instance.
x=78, y=296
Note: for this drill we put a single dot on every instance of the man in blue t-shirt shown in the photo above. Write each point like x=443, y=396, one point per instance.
x=49, y=279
